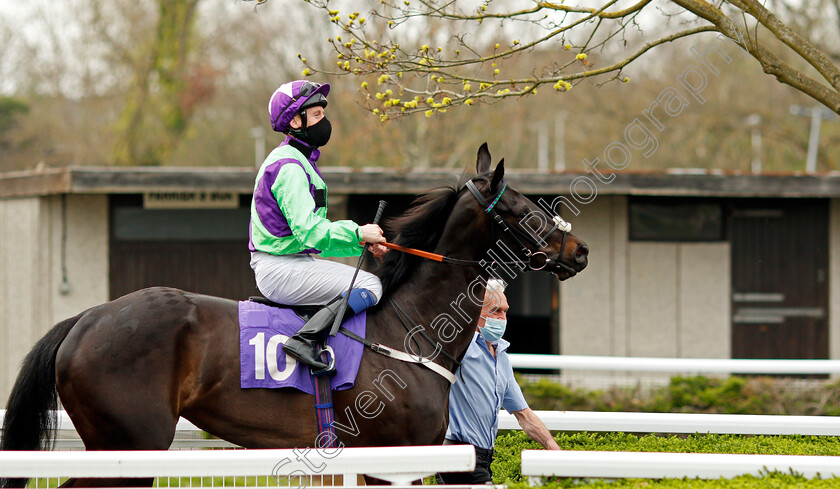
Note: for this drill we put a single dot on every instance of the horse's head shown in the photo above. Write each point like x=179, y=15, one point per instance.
x=459, y=224
x=535, y=235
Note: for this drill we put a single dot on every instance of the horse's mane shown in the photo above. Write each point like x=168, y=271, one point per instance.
x=421, y=227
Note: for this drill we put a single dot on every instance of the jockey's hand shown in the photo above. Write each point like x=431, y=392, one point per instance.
x=378, y=250
x=372, y=233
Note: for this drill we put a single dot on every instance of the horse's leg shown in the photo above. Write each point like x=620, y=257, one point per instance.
x=122, y=428
x=373, y=481
x=145, y=482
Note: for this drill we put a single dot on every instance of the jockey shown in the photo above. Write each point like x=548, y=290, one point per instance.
x=289, y=224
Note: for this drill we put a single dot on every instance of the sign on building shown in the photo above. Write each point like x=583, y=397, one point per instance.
x=191, y=200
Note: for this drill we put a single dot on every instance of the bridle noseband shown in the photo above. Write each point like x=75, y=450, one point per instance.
x=536, y=260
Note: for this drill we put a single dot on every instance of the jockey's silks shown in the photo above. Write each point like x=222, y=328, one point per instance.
x=289, y=211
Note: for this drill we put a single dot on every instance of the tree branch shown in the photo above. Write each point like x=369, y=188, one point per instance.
x=597, y=12
x=802, y=46
x=786, y=74
x=494, y=89
x=647, y=47
x=770, y=63
x=443, y=73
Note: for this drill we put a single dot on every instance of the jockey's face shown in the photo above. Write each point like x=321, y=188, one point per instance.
x=495, y=306
x=313, y=116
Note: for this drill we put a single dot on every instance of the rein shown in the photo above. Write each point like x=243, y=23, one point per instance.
x=434, y=256
x=404, y=318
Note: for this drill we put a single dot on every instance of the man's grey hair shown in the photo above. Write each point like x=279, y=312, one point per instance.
x=496, y=285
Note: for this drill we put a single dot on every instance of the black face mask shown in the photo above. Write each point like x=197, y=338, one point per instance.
x=316, y=135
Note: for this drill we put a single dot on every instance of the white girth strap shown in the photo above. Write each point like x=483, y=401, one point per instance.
x=405, y=357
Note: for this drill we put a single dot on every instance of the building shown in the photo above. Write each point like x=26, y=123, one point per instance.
x=698, y=264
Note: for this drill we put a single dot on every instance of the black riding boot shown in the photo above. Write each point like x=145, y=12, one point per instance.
x=303, y=346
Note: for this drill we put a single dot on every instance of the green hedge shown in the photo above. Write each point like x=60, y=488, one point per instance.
x=773, y=480
x=733, y=395
x=699, y=394
x=507, y=461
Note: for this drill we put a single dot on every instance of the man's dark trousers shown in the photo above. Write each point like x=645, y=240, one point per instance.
x=482, y=473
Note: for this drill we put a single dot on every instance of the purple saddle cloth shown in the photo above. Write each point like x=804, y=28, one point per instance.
x=263, y=364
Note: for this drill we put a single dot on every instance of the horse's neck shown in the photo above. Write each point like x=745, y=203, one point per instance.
x=436, y=298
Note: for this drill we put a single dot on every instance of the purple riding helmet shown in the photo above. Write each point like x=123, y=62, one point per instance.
x=294, y=98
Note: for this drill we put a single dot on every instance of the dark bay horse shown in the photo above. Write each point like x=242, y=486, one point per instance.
x=126, y=370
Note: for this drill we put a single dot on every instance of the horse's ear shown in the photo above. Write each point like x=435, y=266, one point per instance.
x=482, y=161
x=498, y=175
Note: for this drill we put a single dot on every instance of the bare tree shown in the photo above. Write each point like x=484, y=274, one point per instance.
x=165, y=62
x=254, y=52
x=412, y=68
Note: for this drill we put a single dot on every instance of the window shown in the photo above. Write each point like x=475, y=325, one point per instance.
x=675, y=219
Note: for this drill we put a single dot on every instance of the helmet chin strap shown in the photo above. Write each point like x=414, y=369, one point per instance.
x=302, y=130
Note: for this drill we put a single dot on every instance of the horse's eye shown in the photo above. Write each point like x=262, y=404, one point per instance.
x=524, y=214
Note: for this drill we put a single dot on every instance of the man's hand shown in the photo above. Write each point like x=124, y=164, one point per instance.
x=372, y=233
x=378, y=250
x=533, y=426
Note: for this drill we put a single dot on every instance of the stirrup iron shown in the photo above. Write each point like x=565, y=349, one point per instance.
x=330, y=370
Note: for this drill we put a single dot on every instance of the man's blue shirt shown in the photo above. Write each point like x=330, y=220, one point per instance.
x=487, y=386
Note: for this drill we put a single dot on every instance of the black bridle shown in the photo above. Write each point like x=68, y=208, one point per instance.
x=536, y=260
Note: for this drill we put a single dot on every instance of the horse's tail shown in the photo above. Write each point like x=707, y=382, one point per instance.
x=30, y=420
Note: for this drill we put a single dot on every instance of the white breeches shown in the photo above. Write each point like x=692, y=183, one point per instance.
x=305, y=280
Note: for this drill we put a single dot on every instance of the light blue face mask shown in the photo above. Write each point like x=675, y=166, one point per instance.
x=493, y=329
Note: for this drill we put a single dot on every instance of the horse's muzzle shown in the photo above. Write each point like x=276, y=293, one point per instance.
x=582, y=255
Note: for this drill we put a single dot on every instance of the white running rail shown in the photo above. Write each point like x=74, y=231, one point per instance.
x=675, y=365
x=736, y=424
x=187, y=435
x=741, y=424
x=537, y=464
x=399, y=465
x=64, y=422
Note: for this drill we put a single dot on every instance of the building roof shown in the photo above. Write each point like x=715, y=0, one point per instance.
x=699, y=183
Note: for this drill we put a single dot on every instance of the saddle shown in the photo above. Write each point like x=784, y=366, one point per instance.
x=303, y=312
